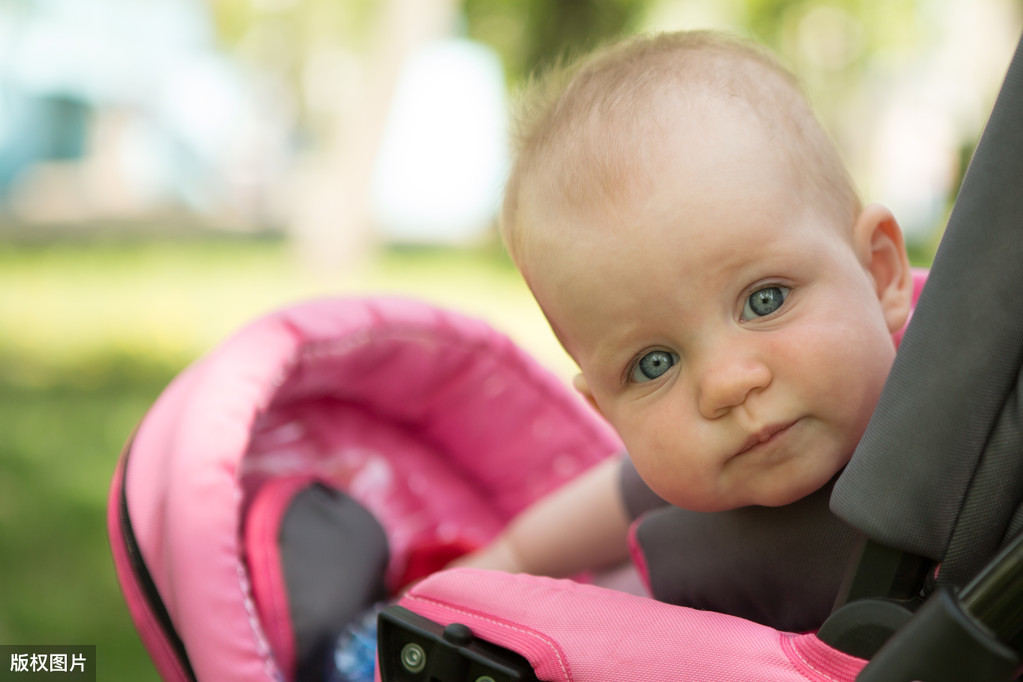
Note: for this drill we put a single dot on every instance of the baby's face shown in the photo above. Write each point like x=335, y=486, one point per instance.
x=728, y=332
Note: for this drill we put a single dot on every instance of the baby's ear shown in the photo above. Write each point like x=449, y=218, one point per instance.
x=579, y=384
x=880, y=247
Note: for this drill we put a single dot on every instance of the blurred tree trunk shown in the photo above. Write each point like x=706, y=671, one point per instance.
x=332, y=226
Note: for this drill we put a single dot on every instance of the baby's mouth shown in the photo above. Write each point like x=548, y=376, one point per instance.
x=763, y=436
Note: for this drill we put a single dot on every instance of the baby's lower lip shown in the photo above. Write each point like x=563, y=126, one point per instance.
x=765, y=436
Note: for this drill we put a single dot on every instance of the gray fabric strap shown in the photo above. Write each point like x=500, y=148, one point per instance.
x=334, y=554
x=780, y=566
x=949, y=416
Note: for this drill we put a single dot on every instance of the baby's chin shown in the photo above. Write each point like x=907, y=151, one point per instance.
x=788, y=494
x=779, y=495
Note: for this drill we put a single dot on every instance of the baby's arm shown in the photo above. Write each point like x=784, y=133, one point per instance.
x=581, y=526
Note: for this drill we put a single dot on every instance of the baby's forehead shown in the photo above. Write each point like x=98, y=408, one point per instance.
x=604, y=167
x=606, y=164
x=607, y=138
x=636, y=88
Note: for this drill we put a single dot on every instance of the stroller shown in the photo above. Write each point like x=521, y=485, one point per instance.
x=410, y=435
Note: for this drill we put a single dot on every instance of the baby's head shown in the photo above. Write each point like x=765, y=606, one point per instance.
x=691, y=234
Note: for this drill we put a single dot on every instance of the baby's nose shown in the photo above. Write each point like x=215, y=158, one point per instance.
x=727, y=383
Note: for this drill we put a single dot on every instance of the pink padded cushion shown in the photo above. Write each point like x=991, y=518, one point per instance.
x=493, y=428
x=406, y=483
x=571, y=632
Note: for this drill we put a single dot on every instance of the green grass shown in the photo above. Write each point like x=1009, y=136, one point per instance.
x=90, y=333
x=58, y=447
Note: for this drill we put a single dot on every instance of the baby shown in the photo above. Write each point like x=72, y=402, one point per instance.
x=697, y=245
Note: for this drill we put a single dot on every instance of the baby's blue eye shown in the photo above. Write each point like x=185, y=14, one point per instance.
x=653, y=365
x=764, y=302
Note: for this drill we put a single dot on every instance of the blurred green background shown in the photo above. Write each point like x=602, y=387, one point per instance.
x=179, y=167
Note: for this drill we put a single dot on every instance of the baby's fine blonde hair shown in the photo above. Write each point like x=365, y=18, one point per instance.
x=578, y=126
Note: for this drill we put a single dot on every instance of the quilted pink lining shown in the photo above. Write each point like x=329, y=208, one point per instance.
x=408, y=486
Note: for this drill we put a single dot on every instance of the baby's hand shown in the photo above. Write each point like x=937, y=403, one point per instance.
x=497, y=556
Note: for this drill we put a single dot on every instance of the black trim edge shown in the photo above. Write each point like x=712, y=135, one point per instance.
x=141, y=572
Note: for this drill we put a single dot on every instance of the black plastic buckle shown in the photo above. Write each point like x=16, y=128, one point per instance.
x=412, y=648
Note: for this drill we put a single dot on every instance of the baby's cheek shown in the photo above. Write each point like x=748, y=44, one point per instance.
x=638, y=433
x=825, y=356
x=664, y=459
x=845, y=375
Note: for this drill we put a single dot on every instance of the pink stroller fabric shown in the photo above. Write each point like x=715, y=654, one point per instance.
x=434, y=422
x=570, y=632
